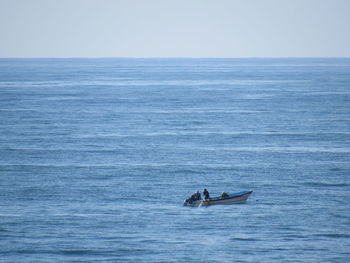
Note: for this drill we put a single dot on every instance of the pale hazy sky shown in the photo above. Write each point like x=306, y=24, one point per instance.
x=174, y=28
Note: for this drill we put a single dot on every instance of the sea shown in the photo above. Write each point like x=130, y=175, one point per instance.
x=98, y=154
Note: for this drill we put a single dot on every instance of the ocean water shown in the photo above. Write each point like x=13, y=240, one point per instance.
x=97, y=156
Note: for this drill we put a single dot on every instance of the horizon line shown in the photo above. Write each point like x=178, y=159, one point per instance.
x=171, y=57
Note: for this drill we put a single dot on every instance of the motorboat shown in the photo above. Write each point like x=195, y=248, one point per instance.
x=224, y=199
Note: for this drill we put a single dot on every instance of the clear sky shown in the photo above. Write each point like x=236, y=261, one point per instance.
x=174, y=28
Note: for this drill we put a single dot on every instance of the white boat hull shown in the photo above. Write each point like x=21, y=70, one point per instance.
x=236, y=198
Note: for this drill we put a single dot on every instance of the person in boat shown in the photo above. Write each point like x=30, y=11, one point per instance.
x=194, y=197
x=198, y=195
x=206, y=193
x=224, y=195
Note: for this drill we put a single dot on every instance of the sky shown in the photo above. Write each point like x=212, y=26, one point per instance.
x=174, y=28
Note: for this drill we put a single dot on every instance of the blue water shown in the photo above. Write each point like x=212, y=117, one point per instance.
x=97, y=155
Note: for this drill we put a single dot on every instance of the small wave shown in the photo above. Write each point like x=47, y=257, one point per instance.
x=77, y=252
x=3, y=229
x=185, y=166
x=187, y=171
x=15, y=167
x=291, y=149
x=335, y=169
x=333, y=235
x=320, y=184
x=243, y=239
x=293, y=236
x=19, y=110
x=326, y=93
